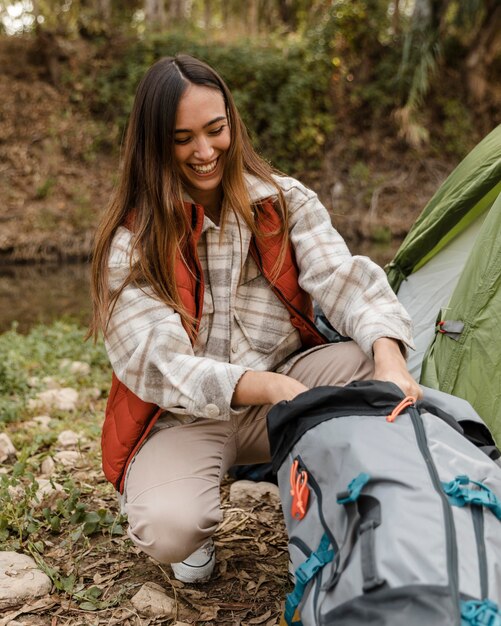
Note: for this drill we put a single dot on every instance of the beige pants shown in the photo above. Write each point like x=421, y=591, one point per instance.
x=172, y=497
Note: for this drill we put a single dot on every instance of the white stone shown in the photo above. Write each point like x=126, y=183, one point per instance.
x=15, y=492
x=80, y=367
x=68, y=458
x=69, y=439
x=33, y=381
x=337, y=189
x=50, y=382
x=47, y=488
x=64, y=399
x=241, y=491
x=152, y=601
x=20, y=579
x=43, y=421
x=94, y=393
x=7, y=449
x=48, y=466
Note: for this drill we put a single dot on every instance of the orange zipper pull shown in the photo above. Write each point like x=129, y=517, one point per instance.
x=300, y=491
x=406, y=402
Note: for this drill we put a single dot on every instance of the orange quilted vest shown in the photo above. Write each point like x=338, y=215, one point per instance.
x=129, y=419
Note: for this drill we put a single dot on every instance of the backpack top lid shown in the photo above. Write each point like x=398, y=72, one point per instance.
x=289, y=420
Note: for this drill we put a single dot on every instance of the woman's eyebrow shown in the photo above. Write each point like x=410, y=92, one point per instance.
x=216, y=119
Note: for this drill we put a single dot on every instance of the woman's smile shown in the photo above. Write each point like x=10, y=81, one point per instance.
x=205, y=169
x=202, y=139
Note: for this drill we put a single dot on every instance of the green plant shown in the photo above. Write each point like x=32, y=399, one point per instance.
x=45, y=188
x=39, y=354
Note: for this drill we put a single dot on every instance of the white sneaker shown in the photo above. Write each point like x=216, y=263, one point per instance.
x=198, y=567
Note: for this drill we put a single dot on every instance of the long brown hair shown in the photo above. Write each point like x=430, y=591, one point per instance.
x=151, y=187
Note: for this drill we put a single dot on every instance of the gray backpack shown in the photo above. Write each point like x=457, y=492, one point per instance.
x=392, y=508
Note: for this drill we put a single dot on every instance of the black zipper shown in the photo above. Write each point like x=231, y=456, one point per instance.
x=450, y=530
x=477, y=515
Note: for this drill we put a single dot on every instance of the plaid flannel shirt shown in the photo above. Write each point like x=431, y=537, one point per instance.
x=243, y=325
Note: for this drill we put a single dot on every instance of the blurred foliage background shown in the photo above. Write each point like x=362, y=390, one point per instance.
x=295, y=66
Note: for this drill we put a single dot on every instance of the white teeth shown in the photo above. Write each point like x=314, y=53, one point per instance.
x=204, y=169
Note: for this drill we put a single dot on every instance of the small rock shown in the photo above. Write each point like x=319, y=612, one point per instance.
x=50, y=382
x=68, y=458
x=20, y=579
x=48, y=466
x=15, y=492
x=242, y=491
x=43, y=421
x=337, y=189
x=79, y=367
x=94, y=393
x=61, y=399
x=152, y=601
x=33, y=381
x=7, y=449
x=47, y=488
x=69, y=439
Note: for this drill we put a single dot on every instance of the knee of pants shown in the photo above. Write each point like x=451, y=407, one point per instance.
x=170, y=532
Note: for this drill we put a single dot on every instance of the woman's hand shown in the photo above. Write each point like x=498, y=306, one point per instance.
x=390, y=365
x=258, y=388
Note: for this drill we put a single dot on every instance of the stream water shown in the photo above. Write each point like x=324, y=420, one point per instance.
x=31, y=294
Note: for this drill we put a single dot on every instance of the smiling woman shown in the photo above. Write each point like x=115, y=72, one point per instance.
x=202, y=141
x=204, y=271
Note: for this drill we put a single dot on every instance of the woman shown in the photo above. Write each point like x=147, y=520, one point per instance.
x=204, y=269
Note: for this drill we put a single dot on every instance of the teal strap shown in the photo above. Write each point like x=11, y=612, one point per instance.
x=354, y=489
x=480, y=613
x=459, y=495
x=304, y=573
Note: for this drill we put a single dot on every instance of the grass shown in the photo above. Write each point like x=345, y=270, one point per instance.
x=76, y=534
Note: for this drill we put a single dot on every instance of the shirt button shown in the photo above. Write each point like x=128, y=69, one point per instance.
x=234, y=348
x=211, y=411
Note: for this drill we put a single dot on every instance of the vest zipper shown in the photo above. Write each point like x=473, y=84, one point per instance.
x=288, y=305
x=450, y=530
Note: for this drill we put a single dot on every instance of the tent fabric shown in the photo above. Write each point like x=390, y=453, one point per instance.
x=449, y=267
x=471, y=367
x=468, y=192
x=437, y=280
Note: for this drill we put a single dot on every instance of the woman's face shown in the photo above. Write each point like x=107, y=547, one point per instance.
x=202, y=138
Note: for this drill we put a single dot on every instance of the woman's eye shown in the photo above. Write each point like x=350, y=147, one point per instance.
x=182, y=141
x=217, y=131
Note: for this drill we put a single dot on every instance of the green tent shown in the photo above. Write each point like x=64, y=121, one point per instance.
x=447, y=273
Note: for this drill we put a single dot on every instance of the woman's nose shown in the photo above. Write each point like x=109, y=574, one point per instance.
x=204, y=149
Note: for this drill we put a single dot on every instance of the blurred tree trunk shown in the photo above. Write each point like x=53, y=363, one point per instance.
x=253, y=16
x=396, y=17
x=287, y=14
x=225, y=13
x=104, y=10
x=208, y=13
x=179, y=11
x=154, y=13
x=486, y=47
